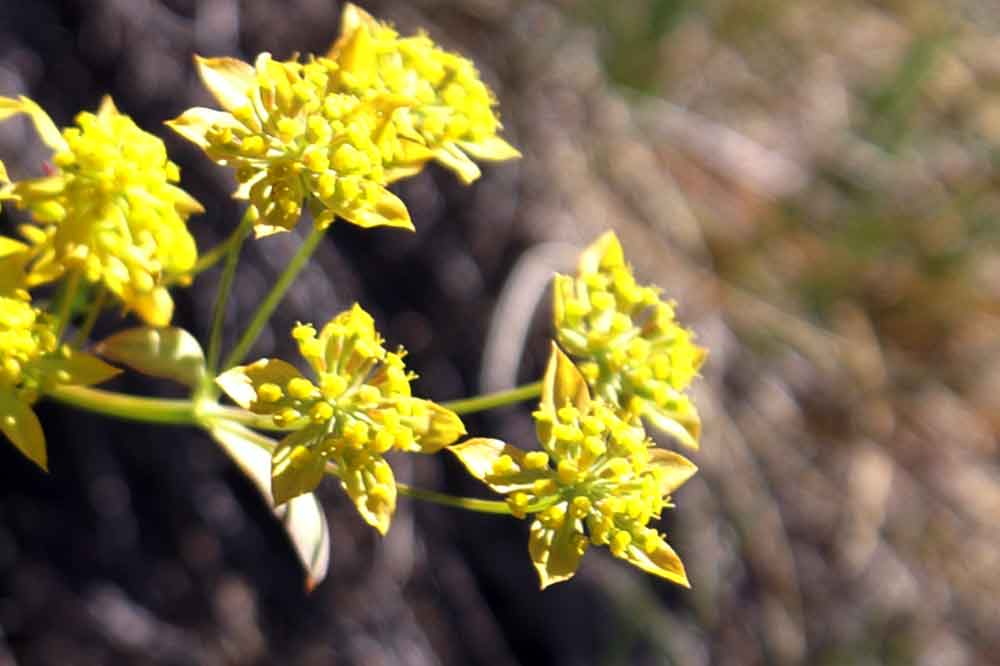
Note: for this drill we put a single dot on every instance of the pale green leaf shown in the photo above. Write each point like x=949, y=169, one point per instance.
x=46, y=129
x=241, y=382
x=167, y=353
x=195, y=123
x=452, y=158
x=555, y=553
x=662, y=562
x=302, y=517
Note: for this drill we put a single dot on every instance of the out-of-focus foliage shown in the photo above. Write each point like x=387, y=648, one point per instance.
x=814, y=183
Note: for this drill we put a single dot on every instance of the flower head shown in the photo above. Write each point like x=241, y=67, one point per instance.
x=627, y=342
x=294, y=140
x=597, y=480
x=356, y=408
x=449, y=109
x=31, y=361
x=110, y=208
x=330, y=133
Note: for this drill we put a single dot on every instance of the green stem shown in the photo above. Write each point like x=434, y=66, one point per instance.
x=467, y=503
x=225, y=287
x=221, y=250
x=66, y=302
x=168, y=411
x=92, y=315
x=129, y=407
x=492, y=400
x=267, y=307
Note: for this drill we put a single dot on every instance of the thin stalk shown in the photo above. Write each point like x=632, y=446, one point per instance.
x=467, y=503
x=66, y=302
x=95, y=311
x=167, y=411
x=493, y=400
x=267, y=307
x=225, y=287
x=213, y=256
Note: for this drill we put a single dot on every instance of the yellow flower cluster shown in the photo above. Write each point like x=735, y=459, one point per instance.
x=331, y=133
x=31, y=359
x=627, y=342
x=598, y=480
x=358, y=408
x=109, y=212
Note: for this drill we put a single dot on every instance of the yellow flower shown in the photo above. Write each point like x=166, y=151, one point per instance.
x=598, y=480
x=109, y=210
x=357, y=407
x=30, y=362
x=449, y=109
x=626, y=341
x=295, y=140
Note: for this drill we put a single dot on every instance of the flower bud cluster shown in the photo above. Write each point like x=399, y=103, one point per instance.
x=597, y=480
x=357, y=408
x=109, y=211
x=332, y=132
x=627, y=342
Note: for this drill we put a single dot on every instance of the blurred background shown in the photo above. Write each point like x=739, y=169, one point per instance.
x=814, y=183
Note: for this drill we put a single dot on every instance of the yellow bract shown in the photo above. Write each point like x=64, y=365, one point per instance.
x=598, y=480
x=31, y=361
x=357, y=407
x=109, y=210
x=627, y=342
x=332, y=132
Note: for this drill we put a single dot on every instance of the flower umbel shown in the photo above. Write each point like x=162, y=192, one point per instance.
x=330, y=133
x=448, y=110
x=31, y=361
x=357, y=408
x=294, y=140
x=110, y=210
x=598, y=480
x=626, y=341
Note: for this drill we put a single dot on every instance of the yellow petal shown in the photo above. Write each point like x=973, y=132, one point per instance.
x=605, y=252
x=19, y=423
x=681, y=423
x=555, y=553
x=371, y=485
x=390, y=211
x=155, y=307
x=46, y=129
x=675, y=468
x=229, y=80
x=242, y=382
x=351, y=19
x=81, y=369
x=453, y=159
x=195, y=123
x=492, y=148
x=296, y=468
x=440, y=428
x=563, y=384
x=479, y=455
x=662, y=562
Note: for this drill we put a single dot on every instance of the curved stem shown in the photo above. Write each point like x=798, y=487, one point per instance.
x=95, y=311
x=234, y=244
x=168, y=411
x=492, y=400
x=213, y=256
x=66, y=298
x=267, y=307
x=129, y=407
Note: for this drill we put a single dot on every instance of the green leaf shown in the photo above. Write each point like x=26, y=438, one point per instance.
x=19, y=423
x=302, y=517
x=168, y=353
